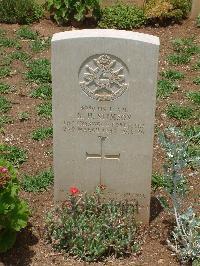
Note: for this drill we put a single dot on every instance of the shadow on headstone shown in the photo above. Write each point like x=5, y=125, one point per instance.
x=155, y=208
x=20, y=254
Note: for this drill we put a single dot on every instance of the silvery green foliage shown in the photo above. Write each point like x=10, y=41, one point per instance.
x=185, y=241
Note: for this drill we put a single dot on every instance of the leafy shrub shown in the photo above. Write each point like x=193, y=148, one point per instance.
x=20, y=11
x=39, y=182
x=122, y=16
x=66, y=11
x=14, y=212
x=91, y=229
x=163, y=10
x=185, y=239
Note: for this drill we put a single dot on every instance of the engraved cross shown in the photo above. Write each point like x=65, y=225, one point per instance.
x=102, y=156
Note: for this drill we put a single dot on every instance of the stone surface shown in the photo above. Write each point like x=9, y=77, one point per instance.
x=195, y=8
x=104, y=91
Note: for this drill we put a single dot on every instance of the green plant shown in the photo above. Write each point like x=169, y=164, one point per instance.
x=87, y=227
x=6, y=60
x=45, y=109
x=179, y=112
x=42, y=133
x=5, y=71
x=165, y=88
x=27, y=33
x=172, y=74
x=13, y=154
x=197, y=66
x=185, y=239
x=8, y=42
x=14, y=212
x=20, y=11
x=24, y=116
x=43, y=92
x=19, y=55
x=193, y=133
x=160, y=181
x=179, y=59
x=40, y=45
x=194, y=96
x=197, y=80
x=2, y=32
x=66, y=11
x=186, y=46
x=5, y=120
x=5, y=88
x=122, y=16
x=39, y=71
x=163, y=10
x=5, y=105
x=37, y=183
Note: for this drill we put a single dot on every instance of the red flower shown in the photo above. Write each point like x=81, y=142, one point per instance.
x=74, y=190
x=3, y=170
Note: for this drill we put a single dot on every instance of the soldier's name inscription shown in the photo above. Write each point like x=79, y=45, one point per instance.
x=106, y=120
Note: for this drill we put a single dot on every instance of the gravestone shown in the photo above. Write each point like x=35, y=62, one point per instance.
x=104, y=91
x=195, y=8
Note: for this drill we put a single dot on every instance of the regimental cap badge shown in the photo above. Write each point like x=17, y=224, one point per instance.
x=103, y=77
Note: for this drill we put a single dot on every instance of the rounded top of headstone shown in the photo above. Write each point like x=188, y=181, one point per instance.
x=106, y=33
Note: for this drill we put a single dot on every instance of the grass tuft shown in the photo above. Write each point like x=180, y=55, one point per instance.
x=172, y=75
x=194, y=96
x=165, y=88
x=5, y=88
x=42, y=92
x=5, y=120
x=5, y=71
x=45, y=110
x=42, y=133
x=27, y=33
x=40, y=45
x=5, y=105
x=39, y=71
x=39, y=182
x=13, y=154
x=179, y=112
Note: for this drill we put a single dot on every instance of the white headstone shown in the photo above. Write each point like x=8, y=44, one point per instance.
x=104, y=92
x=195, y=8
